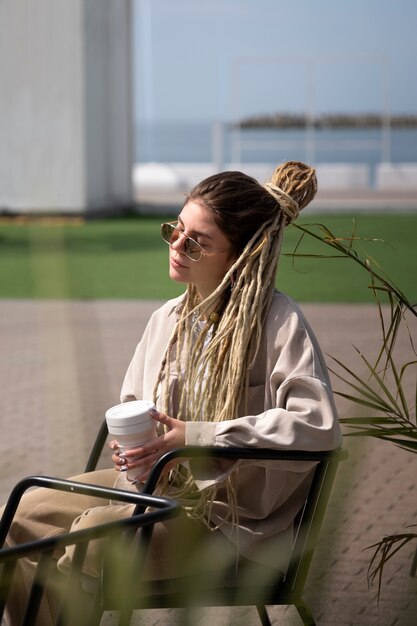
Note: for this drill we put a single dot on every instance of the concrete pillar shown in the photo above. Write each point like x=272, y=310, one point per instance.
x=66, y=131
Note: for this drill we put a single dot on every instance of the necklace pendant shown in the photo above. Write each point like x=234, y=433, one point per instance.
x=214, y=317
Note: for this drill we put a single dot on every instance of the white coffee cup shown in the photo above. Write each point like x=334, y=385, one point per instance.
x=131, y=424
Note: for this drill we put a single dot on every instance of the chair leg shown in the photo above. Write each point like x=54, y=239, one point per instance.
x=305, y=614
x=125, y=616
x=95, y=615
x=263, y=615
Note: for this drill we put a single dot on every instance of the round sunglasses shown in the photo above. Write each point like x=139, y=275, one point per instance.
x=192, y=249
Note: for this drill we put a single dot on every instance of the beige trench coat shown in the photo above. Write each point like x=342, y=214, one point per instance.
x=291, y=406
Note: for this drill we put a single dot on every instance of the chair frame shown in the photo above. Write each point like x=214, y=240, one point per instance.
x=44, y=549
x=285, y=591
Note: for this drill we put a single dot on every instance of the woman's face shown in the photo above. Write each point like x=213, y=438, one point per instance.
x=196, y=221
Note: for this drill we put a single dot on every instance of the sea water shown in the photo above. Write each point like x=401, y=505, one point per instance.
x=194, y=142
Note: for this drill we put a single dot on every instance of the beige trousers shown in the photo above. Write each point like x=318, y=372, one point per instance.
x=178, y=546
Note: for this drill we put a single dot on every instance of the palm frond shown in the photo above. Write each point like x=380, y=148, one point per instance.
x=385, y=550
x=367, y=420
x=360, y=386
x=344, y=245
x=382, y=391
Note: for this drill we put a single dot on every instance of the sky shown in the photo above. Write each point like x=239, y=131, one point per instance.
x=229, y=59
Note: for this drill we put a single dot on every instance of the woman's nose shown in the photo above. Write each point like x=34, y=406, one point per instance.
x=178, y=244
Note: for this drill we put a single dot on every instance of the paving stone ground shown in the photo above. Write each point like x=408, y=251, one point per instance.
x=61, y=367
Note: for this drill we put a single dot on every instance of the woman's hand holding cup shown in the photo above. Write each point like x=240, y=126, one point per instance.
x=138, y=459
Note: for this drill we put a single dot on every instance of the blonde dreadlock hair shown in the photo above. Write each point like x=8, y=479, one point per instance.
x=213, y=365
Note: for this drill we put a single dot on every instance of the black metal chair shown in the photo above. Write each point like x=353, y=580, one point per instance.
x=133, y=545
x=236, y=589
x=233, y=589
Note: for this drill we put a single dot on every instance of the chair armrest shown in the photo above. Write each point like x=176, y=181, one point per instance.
x=45, y=549
x=270, y=454
x=164, y=507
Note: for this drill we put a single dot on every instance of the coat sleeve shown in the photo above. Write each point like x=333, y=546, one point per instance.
x=298, y=409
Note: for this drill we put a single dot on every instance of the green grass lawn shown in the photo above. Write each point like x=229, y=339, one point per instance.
x=126, y=258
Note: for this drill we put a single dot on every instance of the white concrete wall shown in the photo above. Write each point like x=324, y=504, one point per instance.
x=343, y=176
x=168, y=182
x=396, y=176
x=65, y=105
x=108, y=101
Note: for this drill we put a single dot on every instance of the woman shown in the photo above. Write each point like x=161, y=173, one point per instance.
x=231, y=362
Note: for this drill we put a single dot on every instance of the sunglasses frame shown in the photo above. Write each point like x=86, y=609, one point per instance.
x=181, y=233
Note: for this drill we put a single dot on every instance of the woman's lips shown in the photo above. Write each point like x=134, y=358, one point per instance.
x=175, y=263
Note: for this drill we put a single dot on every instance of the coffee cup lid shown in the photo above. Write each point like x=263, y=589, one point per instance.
x=133, y=412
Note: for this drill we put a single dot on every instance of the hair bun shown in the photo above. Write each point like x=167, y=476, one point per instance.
x=297, y=180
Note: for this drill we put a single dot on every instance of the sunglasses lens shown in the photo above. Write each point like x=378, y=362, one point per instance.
x=168, y=233
x=192, y=249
